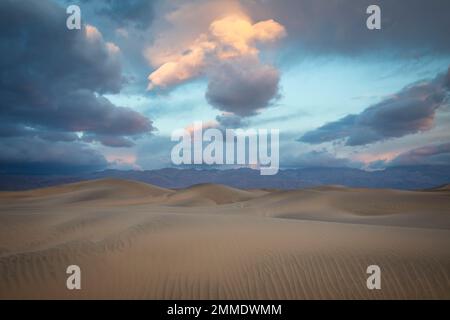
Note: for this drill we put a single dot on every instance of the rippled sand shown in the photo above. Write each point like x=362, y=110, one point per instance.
x=133, y=240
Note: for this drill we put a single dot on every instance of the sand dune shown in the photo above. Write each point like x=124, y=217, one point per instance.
x=103, y=190
x=210, y=194
x=443, y=188
x=137, y=241
x=366, y=206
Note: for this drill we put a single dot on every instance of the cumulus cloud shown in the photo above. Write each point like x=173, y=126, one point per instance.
x=52, y=85
x=438, y=154
x=409, y=111
x=227, y=54
x=242, y=86
x=53, y=79
x=236, y=35
x=187, y=65
x=85, y=111
x=229, y=37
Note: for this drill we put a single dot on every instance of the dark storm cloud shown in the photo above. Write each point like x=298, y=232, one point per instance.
x=9, y=130
x=428, y=155
x=84, y=110
x=53, y=78
x=339, y=26
x=242, y=87
x=52, y=82
x=35, y=155
x=409, y=111
x=58, y=136
x=38, y=48
x=108, y=140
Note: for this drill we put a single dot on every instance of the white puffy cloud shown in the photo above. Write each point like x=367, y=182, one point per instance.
x=224, y=50
x=233, y=36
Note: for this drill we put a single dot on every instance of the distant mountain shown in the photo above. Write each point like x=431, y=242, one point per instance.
x=418, y=177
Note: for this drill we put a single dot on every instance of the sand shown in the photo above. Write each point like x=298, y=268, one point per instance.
x=137, y=241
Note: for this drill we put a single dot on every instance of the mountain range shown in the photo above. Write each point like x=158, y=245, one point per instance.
x=407, y=177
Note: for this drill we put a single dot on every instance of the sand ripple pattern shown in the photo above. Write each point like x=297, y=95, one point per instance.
x=134, y=241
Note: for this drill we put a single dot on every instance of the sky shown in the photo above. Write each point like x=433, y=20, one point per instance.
x=108, y=96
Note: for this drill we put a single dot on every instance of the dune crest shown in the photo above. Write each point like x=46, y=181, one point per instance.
x=209, y=194
x=101, y=190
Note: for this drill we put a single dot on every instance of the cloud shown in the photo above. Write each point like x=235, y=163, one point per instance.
x=58, y=136
x=222, y=122
x=108, y=140
x=409, y=111
x=226, y=52
x=230, y=120
x=35, y=155
x=438, y=154
x=230, y=37
x=53, y=79
x=52, y=86
x=242, y=86
x=85, y=111
x=236, y=35
x=180, y=24
x=187, y=65
x=122, y=161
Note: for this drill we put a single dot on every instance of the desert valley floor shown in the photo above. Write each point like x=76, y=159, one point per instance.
x=137, y=241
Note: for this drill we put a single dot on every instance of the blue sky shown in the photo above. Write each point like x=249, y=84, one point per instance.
x=109, y=95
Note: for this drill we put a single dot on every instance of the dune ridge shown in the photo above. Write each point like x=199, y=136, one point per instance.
x=207, y=194
x=137, y=241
